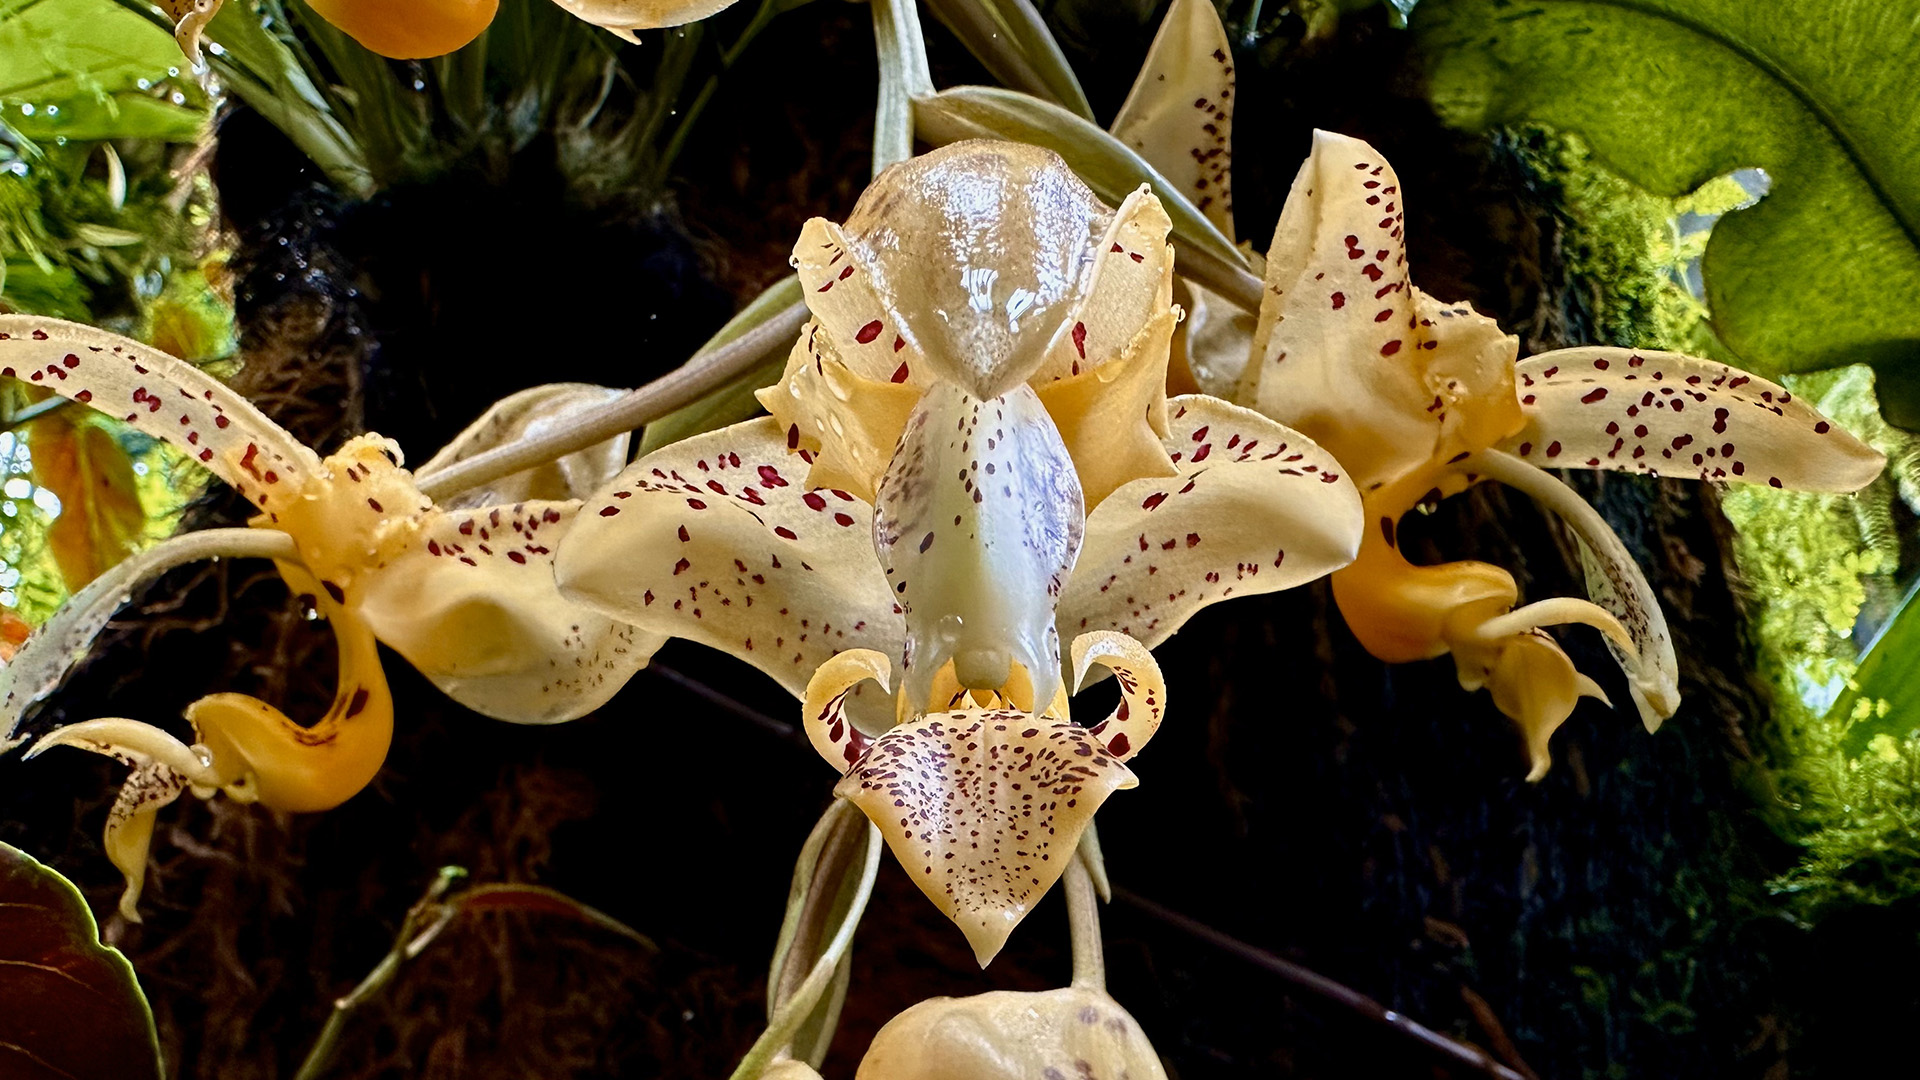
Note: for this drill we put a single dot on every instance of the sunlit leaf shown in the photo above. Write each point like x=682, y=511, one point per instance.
x=1823, y=271
x=1884, y=697
x=101, y=519
x=86, y=69
x=73, y=1009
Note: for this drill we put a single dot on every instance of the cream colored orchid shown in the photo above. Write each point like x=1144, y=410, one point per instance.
x=972, y=456
x=418, y=29
x=1420, y=399
x=465, y=593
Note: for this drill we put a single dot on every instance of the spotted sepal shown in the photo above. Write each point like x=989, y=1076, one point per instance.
x=1255, y=508
x=1179, y=114
x=161, y=396
x=984, y=808
x=717, y=539
x=1143, y=693
x=978, y=522
x=1667, y=414
x=824, y=711
x=1335, y=351
x=473, y=605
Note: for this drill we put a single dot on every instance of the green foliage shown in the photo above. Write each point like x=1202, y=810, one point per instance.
x=90, y=69
x=74, y=1009
x=86, y=229
x=536, y=73
x=1823, y=272
x=1813, y=561
x=1624, y=247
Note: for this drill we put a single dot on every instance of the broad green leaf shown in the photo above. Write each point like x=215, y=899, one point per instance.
x=1884, y=697
x=1825, y=269
x=73, y=1010
x=87, y=69
x=101, y=520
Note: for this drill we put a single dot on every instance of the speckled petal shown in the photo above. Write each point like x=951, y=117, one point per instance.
x=1256, y=508
x=1179, y=115
x=717, y=539
x=190, y=18
x=161, y=396
x=978, y=521
x=1335, y=353
x=984, y=808
x=1673, y=415
x=1105, y=378
x=162, y=767
x=533, y=412
x=824, y=712
x=472, y=604
x=980, y=249
x=1143, y=692
x=847, y=423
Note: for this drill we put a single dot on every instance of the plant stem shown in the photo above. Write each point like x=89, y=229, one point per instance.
x=710, y=369
x=768, y=9
x=1319, y=985
x=423, y=923
x=788, y=1018
x=904, y=76
x=1083, y=921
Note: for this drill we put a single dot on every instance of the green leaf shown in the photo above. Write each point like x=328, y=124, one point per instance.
x=89, y=69
x=1884, y=696
x=1009, y=37
x=1825, y=270
x=73, y=1008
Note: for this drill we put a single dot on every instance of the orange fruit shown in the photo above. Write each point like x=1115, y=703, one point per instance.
x=409, y=29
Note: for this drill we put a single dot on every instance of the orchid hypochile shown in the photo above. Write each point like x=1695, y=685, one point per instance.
x=1420, y=398
x=971, y=457
x=465, y=593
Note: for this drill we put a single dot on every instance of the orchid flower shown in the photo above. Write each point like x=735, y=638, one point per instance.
x=1420, y=399
x=465, y=593
x=418, y=29
x=972, y=456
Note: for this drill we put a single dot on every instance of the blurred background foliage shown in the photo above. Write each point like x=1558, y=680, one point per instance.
x=1741, y=181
